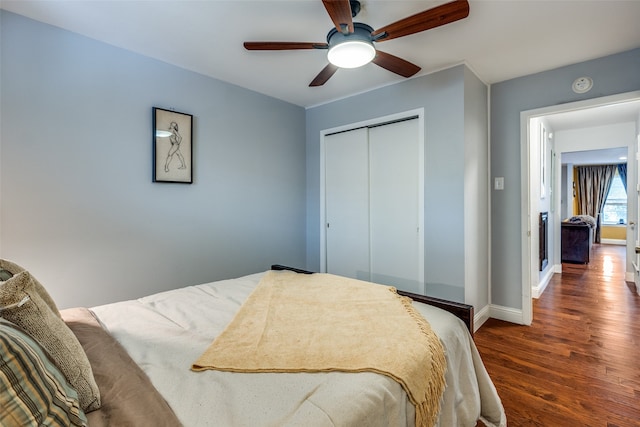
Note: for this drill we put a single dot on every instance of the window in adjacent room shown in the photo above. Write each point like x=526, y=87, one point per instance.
x=615, y=207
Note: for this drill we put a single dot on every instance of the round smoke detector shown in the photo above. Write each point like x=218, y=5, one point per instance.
x=582, y=84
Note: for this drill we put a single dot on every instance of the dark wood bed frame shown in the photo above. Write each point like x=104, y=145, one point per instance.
x=462, y=311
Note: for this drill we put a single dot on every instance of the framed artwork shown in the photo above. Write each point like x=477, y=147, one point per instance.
x=172, y=146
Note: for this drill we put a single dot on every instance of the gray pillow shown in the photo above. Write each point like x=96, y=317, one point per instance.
x=22, y=304
x=14, y=269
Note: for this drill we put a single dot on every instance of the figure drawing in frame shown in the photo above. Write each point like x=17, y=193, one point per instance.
x=175, y=140
x=172, y=146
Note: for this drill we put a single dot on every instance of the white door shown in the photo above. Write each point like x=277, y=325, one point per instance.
x=395, y=228
x=372, y=202
x=347, y=203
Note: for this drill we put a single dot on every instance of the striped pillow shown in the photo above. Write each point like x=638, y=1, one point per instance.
x=33, y=391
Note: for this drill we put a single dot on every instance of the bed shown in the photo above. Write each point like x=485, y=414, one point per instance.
x=142, y=353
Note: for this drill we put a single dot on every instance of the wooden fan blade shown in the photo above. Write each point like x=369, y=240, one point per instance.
x=284, y=45
x=340, y=13
x=395, y=64
x=324, y=75
x=432, y=18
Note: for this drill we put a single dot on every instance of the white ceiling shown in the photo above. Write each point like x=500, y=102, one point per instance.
x=592, y=157
x=622, y=112
x=500, y=40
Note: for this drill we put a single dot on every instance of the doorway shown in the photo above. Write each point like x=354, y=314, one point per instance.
x=588, y=113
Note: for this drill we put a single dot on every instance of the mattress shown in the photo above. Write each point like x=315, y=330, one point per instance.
x=166, y=332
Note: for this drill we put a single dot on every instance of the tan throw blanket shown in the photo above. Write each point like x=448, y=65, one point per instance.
x=321, y=322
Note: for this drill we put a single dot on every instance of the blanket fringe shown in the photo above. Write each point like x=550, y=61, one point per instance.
x=425, y=416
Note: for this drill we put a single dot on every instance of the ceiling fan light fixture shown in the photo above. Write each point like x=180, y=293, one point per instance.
x=351, y=54
x=345, y=30
x=351, y=50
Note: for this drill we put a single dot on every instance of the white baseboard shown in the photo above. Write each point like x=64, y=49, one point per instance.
x=536, y=291
x=480, y=317
x=620, y=242
x=507, y=314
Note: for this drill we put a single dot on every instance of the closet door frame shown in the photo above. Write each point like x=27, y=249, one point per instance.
x=417, y=113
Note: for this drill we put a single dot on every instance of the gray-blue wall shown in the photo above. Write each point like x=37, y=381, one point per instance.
x=78, y=207
x=613, y=74
x=442, y=95
x=476, y=193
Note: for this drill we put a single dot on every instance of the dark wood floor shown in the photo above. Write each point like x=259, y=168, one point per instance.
x=578, y=364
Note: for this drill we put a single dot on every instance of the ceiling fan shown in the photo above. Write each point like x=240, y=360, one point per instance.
x=351, y=44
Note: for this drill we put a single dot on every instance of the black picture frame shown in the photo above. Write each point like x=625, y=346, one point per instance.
x=172, y=146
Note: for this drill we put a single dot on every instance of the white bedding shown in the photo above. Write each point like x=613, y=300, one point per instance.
x=166, y=332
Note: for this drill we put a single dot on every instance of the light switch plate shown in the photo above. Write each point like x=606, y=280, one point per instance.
x=498, y=183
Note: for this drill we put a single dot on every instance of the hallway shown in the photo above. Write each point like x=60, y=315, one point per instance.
x=578, y=364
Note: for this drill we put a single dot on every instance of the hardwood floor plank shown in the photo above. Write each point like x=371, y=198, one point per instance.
x=578, y=364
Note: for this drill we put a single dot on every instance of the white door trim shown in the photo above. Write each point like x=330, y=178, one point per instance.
x=525, y=117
